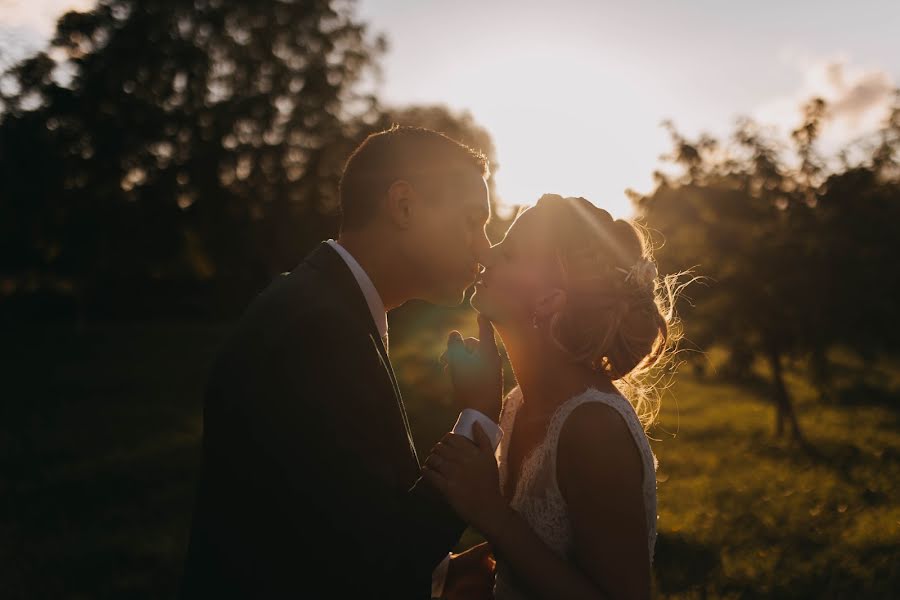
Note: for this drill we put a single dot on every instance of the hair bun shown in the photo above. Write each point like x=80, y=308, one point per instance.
x=643, y=273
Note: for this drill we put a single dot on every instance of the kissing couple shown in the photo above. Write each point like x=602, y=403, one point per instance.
x=311, y=486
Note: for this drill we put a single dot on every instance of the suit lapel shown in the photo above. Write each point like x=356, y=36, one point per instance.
x=386, y=363
x=325, y=259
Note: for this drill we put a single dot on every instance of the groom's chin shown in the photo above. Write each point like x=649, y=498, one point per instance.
x=475, y=302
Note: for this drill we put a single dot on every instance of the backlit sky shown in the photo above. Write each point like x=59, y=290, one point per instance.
x=573, y=91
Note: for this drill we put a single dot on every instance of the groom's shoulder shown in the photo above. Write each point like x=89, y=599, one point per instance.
x=298, y=298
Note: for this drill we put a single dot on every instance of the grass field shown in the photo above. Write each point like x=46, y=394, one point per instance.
x=99, y=447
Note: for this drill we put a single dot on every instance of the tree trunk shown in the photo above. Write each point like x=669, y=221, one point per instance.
x=784, y=413
x=820, y=369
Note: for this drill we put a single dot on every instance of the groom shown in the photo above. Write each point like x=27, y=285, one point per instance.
x=310, y=485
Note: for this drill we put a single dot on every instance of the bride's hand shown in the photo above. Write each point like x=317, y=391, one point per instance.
x=476, y=370
x=466, y=474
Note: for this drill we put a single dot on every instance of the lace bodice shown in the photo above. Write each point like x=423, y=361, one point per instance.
x=537, y=497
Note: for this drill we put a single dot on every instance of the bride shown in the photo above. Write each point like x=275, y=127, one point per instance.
x=568, y=502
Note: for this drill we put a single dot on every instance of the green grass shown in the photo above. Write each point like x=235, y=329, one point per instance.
x=760, y=517
x=99, y=447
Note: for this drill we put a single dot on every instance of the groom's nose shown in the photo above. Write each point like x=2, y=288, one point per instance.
x=482, y=247
x=484, y=255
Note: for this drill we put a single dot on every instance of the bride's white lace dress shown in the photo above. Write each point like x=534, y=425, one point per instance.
x=537, y=498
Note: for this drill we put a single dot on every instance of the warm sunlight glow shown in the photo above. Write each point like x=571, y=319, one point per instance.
x=564, y=121
x=573, y=93
x=561, y=120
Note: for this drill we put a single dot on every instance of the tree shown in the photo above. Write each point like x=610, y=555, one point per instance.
x=781, y=241
x=180, y=141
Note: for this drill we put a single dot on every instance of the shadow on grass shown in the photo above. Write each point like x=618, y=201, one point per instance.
x=684, y=566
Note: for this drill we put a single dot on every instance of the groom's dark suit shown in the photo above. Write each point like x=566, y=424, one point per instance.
x=310, y=484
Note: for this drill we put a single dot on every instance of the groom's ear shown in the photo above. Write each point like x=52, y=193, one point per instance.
x=550, y=302
x=399, y=203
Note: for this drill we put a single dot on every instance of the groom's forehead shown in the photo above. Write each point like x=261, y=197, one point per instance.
x=479, y=207
x=467, y=194
x=475, y=197
x=482, y=210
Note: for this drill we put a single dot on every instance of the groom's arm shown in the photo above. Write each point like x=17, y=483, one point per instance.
x=388, y=531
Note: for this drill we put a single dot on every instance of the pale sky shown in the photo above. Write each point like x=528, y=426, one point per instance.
x=573, y=91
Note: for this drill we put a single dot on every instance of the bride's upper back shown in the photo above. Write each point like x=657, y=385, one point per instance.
x=537, y=496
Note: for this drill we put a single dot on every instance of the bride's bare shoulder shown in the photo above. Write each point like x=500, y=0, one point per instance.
x=596, y=443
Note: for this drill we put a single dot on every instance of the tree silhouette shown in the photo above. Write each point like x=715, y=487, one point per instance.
x=180, y=141
x=799, y=256
x=163, y=153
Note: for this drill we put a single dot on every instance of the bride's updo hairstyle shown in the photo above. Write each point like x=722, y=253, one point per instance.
x=619, y=315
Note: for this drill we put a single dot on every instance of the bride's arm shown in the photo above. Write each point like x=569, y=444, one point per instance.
x=596, y=455
x=600, y=474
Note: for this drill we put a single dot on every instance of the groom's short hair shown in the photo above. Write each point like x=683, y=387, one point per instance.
x=400, y=152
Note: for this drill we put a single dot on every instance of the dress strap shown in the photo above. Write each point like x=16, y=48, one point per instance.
x=617, y=402
x=511, y=404
x=648, y=458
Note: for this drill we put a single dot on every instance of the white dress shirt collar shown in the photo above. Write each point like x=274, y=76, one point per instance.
x=373, y=298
